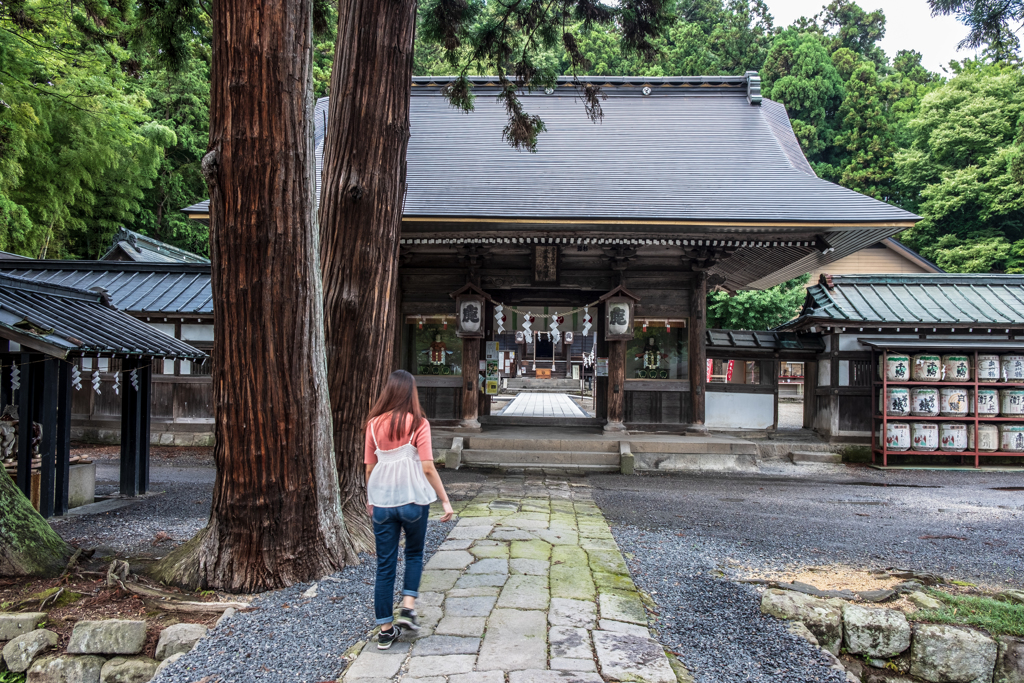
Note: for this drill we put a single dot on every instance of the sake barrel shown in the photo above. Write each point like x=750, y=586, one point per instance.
x=1013, y=368
x=1011, y=438
x=924, y=402
x=927, y=367
x=988, y=402
x=988, y=367
x=988, y=437
x=896, y=400
x=956, y=367
x=953, y=401
x=1011, y=402
x=952, y=436
x=897, y=367
x=924, y=435
x=897, y=436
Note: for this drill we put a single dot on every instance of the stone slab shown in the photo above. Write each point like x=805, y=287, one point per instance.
x=630, y=658
x=531, y=550
x=621, y=606
x=478, y=580
x=493, y=565
x=571, y=583
x=438, y=581
x=469, y=607
x=495, y=549
x=108, y=637
x=525, y=592
x=560, y=664
x=440, y=665
x=569, y=643
x=469, y=532
x=546, y=676
x=14, y=625
x=461, y=626
x=533, y=567
x=66, y=669
x=515, y=640
x=578, y=613
x=374, y=663
x=623, y=627
x=455, y=544
x=451, y=559
x=445, y=645
x=478, y=677
x=475, y=592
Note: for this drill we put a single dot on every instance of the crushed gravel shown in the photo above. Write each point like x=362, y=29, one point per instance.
x=289, y=638
x=715, y=627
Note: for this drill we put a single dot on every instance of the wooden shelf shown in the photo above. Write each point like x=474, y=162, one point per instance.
x=948, y=418
x=1014, y=454
x=901, y=383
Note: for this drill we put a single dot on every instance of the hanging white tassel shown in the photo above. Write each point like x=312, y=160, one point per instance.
x=527, y=332
x=135, y=378
x=15, y=378
x=587, y=320
x=117, y=383
x=555, y=334
x=76, y=378
x=96, y=380
x=499, y=318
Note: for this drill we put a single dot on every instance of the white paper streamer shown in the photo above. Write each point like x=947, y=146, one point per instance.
x=15, y=378
x=587, y=320
x=76, y=378
x=527, y=332
x=96, y=380
x=555, y=334
x=499, y=318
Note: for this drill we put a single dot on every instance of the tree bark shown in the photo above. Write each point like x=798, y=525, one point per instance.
x=28, y=545
x=276, y=517
x=363, y=188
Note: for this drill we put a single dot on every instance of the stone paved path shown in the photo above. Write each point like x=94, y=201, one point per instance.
x=529, y=587
x=543, y=405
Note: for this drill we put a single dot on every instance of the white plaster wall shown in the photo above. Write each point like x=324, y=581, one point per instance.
x=728, y=410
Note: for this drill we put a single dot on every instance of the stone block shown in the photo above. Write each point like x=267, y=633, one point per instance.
x=531, y=567
x=515, y=640
x=569, y=643
x=456, y=544
x=626, y=657
x=178, y=638
x=578, y=613
x=1009, y=660
x=623, y=627
x=525, y=592
x=438, y=581
x=451, y=559
x=492, y=565
x=445, y=645
x=471, y=532
x=66, y=669
x=531, y=550
x=108, y=637
x=478, y=677
x=21, y=651
x=372, y=662
x=14, y=625
x=491, y=549
x=627, y=464
x=461, y=626
x=924, y=601
x=875, y=632
x=563, y=664
x=622, y=606
x=951, y=654
x=607, y=561
x=468, y=607
x=468, y=581
x=123, y=670
x=557, y=536
x=546, y=676
x=824, y=620
x=800, y=631
x=440, y=665
x=571, y=583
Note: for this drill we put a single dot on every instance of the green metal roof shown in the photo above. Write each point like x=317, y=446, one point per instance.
x=919, y=300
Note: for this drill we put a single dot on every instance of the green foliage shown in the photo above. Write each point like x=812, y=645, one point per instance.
x=995, y=616
x=11, y=677
x=756, y=309
x=964, y=170
x=991, y=25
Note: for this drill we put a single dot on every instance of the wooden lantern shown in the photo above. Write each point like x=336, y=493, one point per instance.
x=470, y=304
x=619, y=304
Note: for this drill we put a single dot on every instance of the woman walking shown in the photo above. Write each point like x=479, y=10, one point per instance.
x=401, y=483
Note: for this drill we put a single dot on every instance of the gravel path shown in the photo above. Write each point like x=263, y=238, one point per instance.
x=714, y=626
x=289, y=638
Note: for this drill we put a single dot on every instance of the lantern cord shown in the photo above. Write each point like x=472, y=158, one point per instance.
x=542, y=315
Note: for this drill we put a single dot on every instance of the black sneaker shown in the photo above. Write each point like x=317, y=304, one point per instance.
x=409, y=619
x=386, y=638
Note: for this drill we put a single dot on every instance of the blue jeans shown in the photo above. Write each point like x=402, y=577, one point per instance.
x=388, y=524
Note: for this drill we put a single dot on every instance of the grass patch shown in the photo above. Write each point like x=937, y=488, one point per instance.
x=65, y=598
x=995, y=616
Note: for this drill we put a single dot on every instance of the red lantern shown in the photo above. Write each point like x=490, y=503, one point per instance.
x=421, y=323
x=668, y=326
x=445, y=322
x=645, y=326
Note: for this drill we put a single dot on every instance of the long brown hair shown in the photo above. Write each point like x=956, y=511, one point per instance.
x=399, y=398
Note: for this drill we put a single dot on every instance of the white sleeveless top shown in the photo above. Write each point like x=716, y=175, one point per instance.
x=398, y=477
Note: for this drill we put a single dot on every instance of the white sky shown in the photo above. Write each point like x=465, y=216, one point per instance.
x=909, y=26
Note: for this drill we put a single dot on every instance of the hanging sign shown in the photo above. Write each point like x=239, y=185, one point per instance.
x=728, y=372
x=470, y=308
x=601, y=367
x=491, y=350
x=711, y=368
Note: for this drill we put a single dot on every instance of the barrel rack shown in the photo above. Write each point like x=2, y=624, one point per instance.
x=880, y=419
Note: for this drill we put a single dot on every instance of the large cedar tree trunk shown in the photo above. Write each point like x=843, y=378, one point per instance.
x=360, y=216
x=276, y=516
x=28, y=545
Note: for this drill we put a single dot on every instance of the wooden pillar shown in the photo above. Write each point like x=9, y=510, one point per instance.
x=698, y=349
x=145, y=409
x=470, y=383
x=616, y=386
x=48, y=374
x=63, y=439
x=131, y=431
x=25, y=418
x=810, y=392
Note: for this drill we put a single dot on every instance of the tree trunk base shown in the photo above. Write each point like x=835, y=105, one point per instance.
x=28, y=544
x=360, y=529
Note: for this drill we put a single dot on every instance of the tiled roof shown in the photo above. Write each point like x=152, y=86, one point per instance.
x=133, y=246
x=63, y=321
x=736, y=340
x=155, y=288
x=971, y=300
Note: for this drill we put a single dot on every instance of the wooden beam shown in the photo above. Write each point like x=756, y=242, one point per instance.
x=25, y=418
x=48, y=374
x=470, y=384
x=698, y=350
x=616, y=386
x=145, y=399
x=63, y=440
x=131, y=428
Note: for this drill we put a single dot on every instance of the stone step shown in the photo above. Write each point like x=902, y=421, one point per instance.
x=534, y=384
x=518, y=458
x=500, y=443
x=808, y=457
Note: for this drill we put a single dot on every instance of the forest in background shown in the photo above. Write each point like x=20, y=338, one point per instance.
x=99, y=128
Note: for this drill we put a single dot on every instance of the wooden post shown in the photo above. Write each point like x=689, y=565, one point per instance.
x=616, y=386
x=131, y=431
x=63, y=440
x=48, y=444
x=25, y=418
x=145, y=408
x=810, y=392
x=470, y=383
x=698, y=349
